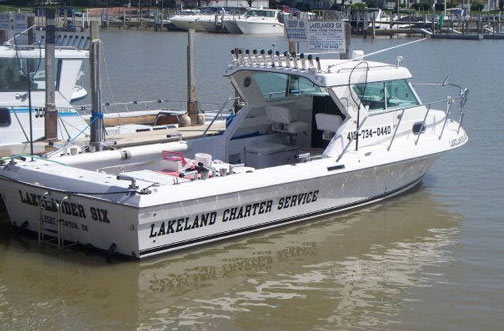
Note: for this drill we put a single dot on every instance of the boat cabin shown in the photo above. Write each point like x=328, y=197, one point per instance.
x=310, y=108
x=14, y=64
x=297, y=110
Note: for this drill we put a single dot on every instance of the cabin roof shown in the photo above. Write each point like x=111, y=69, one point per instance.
x=332, y=73
x=60, y=53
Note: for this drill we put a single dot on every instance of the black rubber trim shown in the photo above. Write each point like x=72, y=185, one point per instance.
x=285, y=220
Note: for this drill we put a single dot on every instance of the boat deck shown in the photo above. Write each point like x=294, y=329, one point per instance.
x=126, y=140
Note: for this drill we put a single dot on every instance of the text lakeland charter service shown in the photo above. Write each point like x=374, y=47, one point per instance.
x=230, y=214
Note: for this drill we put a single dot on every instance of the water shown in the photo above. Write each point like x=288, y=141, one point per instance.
x=429, y=259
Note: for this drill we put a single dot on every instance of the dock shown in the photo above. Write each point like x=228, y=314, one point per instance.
x=123, y=140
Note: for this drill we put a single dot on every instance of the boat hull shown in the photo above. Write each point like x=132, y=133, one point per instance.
x=258, y=27
x=148, y=231
x=232, y=27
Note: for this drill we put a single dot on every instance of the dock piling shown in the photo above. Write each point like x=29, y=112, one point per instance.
x=51, y=113
x=3, y=36
x=97, y=134
x=192, y=103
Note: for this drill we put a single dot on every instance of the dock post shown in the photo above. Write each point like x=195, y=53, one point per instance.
x=348, y=38
x=107, y=22
x=357, y=25
x=97, y=134
x=365, y=24
x=373, y=25
x=4, y=36
x=192, y=103
x=162, y=16
x=31, y=32
x=51, y=113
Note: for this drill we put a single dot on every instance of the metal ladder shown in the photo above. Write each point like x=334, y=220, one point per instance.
x=56, y=237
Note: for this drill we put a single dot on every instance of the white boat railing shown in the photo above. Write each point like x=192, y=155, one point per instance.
x=219, y=113
x=148, y=105
x=449, y=102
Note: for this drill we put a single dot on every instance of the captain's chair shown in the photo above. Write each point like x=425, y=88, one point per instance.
x=328, y=123
x=285, y=120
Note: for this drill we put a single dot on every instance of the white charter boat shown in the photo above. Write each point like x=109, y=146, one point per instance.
x=258, y=21
x=315, y=137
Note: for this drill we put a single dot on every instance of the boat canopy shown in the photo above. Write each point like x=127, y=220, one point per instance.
x=35, y=53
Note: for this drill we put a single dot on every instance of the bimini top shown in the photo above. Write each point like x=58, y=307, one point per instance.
x=30, y=52
x=322, y=72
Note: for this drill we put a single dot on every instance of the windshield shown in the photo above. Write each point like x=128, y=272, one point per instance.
x=12, y=78
x=261, y=13
x=386, y=95
x=276, y=86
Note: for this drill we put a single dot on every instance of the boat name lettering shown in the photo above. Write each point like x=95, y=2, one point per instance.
x=297, y=199
x=230, y=214
x=183, y=224
x=253, y=209
x=369, y=133
x=67, y=207
x=458, y=141
x=324, y=25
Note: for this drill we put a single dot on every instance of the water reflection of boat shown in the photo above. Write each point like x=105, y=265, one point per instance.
x=354, y=271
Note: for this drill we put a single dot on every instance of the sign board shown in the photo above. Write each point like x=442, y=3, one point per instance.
x=320, y=35
x=295, y=30
x=326, y=36
x=5, y=21
x=20, y=21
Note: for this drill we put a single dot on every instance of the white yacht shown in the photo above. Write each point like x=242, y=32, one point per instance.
x=314, y=137
x=217, y=22
x=210, y=14
x=259, y=21
x=14, y=112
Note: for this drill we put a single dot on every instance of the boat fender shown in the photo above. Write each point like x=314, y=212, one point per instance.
x=125, y=155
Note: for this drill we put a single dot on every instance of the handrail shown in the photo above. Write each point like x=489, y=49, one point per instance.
x=352, y=138
x=397, y=128
x=59, y=220
x=463, y=93
x=449, y=105
x=41, y=236
x=219, y=113
x=424, y=127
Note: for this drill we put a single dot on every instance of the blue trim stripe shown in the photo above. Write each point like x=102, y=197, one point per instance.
x=62, y=113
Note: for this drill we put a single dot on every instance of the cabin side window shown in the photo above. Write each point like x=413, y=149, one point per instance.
x=276, y=86
x=5, y=118
x=386, y=95
x=12, y=74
